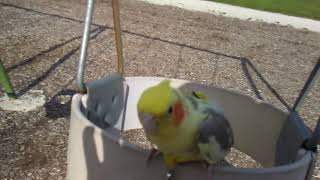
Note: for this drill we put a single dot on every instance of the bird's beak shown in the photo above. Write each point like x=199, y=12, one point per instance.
x=149, y=123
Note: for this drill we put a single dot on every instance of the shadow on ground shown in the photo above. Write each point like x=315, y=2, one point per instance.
x=59, y=105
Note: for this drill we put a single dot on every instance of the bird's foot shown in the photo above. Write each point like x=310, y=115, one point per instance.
x=211, y=169
x=204, y=164
x=170, y=174
x=152, y=154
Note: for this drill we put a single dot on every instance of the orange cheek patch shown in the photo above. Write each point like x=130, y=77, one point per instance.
x=178, y=113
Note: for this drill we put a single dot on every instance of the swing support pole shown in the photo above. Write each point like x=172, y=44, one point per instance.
x=5, y=81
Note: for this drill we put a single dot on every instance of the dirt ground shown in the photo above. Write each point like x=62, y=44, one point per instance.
x=39, y=46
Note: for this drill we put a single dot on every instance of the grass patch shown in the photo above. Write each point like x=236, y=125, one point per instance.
x=303, y=8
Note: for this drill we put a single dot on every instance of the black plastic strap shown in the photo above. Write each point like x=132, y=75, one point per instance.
x=310, y=143
x=307, y=86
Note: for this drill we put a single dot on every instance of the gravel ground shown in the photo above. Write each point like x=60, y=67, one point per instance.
x=39, y=45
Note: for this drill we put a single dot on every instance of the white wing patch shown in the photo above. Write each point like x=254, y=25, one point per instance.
x=212, y=151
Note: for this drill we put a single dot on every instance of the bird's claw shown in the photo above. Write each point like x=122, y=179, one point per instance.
x=210, y=171
x=152, y=154
x=169, y=174
x=204, y=164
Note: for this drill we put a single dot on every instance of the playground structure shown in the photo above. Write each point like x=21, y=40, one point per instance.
x=106, y=107
x=98, y=119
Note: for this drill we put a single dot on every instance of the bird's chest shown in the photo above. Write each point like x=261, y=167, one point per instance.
x=177, y=143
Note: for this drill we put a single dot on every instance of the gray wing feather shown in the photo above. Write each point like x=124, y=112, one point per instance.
x=216, y=134
x=217, y=126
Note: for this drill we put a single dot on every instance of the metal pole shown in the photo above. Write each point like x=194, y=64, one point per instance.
x=307, y=86
x=84, y=46
x=117, y=30
x=5, y=81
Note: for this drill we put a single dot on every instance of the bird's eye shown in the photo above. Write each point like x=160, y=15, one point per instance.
x=170, y=110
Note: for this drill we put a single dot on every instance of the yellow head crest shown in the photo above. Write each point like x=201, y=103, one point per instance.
x=156, y=99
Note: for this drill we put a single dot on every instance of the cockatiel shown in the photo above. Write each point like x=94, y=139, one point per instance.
x=184, y=127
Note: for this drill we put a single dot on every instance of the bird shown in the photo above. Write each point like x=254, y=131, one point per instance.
x=184, y=126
